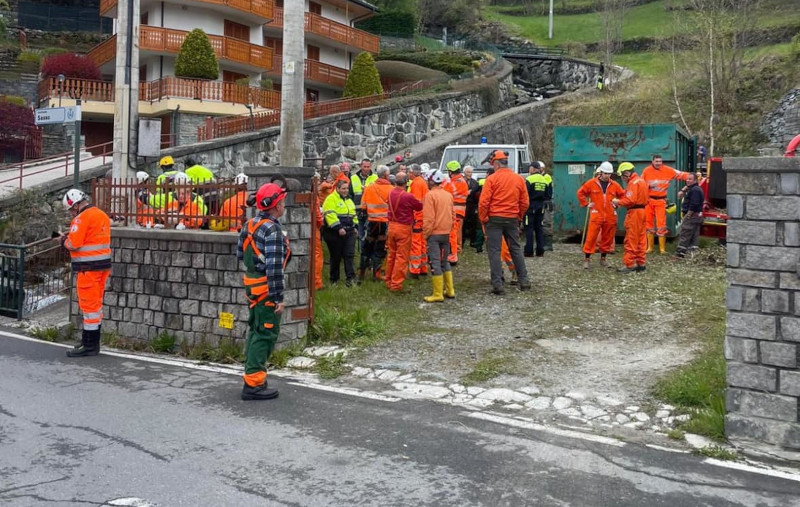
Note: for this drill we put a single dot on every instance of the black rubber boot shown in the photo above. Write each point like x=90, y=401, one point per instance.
x=261, y=392
x=90, y=345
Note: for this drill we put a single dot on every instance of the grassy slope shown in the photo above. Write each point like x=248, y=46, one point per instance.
x=648, y=20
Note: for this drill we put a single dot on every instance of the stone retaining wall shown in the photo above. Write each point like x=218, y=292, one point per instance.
x=181, y=281
x=762, y=339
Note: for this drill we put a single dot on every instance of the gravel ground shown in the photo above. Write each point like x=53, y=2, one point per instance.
x=595, y=331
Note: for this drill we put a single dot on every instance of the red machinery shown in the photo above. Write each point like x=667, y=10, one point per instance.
x=715, y=217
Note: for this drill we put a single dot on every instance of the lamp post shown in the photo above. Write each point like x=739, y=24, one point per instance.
x=61, y=79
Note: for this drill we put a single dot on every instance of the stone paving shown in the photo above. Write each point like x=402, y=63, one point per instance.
x=596, y=411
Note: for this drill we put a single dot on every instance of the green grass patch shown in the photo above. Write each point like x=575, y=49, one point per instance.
x=48, y=334
x=163, y=343
x=676, y=434
x=450, y=62
x=330, y=367
x=488, y=368
x=717, y=452
x=227, y=351
x=281, y=356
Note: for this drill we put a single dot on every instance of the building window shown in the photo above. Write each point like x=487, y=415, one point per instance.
x=237, y=30
x=315, y=8
x=313, y=53
x=143, y=19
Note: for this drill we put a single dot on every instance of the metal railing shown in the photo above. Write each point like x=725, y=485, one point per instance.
x=166, y=205
x=32, y=276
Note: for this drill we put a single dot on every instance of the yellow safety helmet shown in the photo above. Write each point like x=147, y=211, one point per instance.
x=166, y=161
x=453, y=166
x=671, y=208
x=625, y=166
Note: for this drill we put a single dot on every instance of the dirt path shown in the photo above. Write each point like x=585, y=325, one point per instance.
x=595, y=331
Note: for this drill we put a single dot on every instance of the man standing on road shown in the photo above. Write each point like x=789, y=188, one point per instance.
x=538, y=194
x=547, y=217
x=503, y=204
x=635, y=199
x=89, y=245
x=459, y=188
x=692, y=210
x=402, y=207
x=658, y=177
x=265, y=251
x=418, y=258
x=471, y=217
x=596, y=195
x=358, y=182
x=437, y=222
x=375, y=205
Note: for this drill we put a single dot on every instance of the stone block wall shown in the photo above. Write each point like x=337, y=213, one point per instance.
x=762, y=339
x=180, y=281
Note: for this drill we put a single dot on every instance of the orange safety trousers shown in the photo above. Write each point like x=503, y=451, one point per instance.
x=418, y=260
x=635, y=238
x=656, y=210
x=505, y=256
x=600, y=234
x=398, y=245
x=455, y=238
x=91, y=286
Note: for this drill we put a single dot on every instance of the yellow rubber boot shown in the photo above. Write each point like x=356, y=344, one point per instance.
x=449, y=289
x=662, y=244
x=438, y=286
x=651, y=239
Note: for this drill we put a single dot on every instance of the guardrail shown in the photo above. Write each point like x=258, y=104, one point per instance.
x=32, y=276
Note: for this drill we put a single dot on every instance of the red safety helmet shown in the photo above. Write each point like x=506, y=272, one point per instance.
x=269, y=195
x=398, y=158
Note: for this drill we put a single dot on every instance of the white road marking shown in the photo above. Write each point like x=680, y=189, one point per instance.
x=131, y=502
x=347, y=391
x=753, y=469
x=666, y=449
x=530, y=425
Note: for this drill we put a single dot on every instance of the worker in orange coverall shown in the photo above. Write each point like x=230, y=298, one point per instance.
x=89, y=245
x=635, y=199
x=596, y=195
x=402, y=207
x=418, y=258
x=459, y=187
x=658, y=177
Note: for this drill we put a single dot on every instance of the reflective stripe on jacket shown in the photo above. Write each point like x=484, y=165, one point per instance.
x=376, y=201
x=89, y=240
x=338, y=212
x=658, y=180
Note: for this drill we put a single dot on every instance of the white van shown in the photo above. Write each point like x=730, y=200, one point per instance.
x=477, y=155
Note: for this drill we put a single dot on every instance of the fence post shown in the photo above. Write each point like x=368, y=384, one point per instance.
x=21, y=283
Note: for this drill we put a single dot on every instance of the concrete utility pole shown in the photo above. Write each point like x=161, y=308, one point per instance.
x=126, y=88
x=550, y=28
x=292, y=86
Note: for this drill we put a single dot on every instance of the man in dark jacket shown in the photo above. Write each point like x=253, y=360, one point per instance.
x=692, y=210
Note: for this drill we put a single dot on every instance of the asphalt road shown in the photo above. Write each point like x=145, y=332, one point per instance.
x=118, y=431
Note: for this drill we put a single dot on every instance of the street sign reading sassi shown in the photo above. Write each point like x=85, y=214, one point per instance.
x=57, y=115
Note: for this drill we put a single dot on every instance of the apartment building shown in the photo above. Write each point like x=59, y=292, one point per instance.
x=246, y=36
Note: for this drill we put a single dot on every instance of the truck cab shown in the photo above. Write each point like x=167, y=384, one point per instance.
x=477, y=155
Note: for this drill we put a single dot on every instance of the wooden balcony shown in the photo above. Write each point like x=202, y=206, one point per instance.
x=162, y=89
x=318, y=72
x=165, y=40
x=333, y=30
x=263, y=9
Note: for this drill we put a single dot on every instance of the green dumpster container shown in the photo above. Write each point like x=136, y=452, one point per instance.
x=579, y=150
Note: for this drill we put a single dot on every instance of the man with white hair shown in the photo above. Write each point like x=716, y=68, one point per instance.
x=418, y=258
x=375, y=204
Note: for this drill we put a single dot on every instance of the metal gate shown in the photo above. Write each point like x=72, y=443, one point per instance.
x=32, y=276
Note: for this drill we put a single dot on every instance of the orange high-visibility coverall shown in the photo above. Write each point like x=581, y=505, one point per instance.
x=460, y=189
x=505, y=256
x=603, y=215
x=635, y=199
x=190, y=212
x=318, y=258
x=231, y=213
x=658, y=181
x=402, y=207
x=418, y=259
x=89, y=245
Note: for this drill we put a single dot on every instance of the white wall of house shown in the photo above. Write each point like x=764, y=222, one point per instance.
x=332, y=56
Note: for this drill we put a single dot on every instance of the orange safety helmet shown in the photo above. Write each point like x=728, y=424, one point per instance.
x=498, y=155
x=269, y=195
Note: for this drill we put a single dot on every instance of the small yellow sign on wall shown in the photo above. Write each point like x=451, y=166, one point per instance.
x=226, y=320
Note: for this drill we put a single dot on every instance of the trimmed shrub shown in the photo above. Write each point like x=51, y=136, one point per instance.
x=71, y=65
x=196, y=58
x=363, y=79
x=451, y=62
x=16, y=100
x=29, y=56
x=266, y=84
x=243, y=81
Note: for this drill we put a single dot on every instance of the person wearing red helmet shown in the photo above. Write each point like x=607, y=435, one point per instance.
x=264, y=249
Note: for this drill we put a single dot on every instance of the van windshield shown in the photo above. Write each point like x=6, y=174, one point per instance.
x=478, y=158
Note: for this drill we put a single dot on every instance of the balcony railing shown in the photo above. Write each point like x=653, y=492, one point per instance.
x=166, y=40
x=316, y=24
x=166, y=88
x=261, y=8
x=319, y=72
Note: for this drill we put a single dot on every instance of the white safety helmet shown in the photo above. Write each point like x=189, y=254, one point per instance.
x=606, y=167
x=424, y=167
x=180, y=179
x=436, y=176
x=72, y=197
x=241, y=179
x=142, y=176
